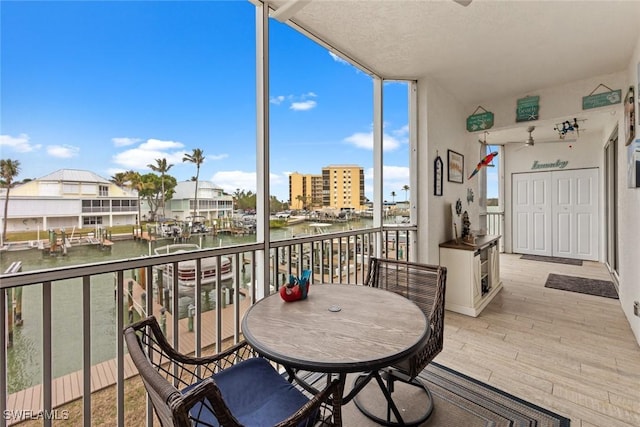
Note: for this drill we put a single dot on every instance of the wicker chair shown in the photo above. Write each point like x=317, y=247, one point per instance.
x=232, y=388
x=424, y=285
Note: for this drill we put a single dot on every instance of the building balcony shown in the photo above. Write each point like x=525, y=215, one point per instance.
x=573, y=354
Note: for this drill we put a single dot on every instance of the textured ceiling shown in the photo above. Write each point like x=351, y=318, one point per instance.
x=487, y=50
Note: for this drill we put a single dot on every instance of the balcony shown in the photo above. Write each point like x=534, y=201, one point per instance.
x=571, y=353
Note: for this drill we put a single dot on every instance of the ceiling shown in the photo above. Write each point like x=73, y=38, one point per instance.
x=487, y=50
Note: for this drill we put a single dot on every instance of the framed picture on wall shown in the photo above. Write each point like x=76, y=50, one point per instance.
x=455, y=167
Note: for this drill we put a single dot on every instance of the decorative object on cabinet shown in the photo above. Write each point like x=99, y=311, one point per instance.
x=438, y=183
x=466, y=225
x=458, y=207
x=455, y=167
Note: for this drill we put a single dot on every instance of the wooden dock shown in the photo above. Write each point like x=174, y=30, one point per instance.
x=68, y=388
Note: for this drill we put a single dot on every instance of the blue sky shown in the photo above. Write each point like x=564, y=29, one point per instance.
x=111, y=86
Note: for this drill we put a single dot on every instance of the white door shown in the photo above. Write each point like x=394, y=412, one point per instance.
x=575, y=213
x=532, y=213
x=555, y=213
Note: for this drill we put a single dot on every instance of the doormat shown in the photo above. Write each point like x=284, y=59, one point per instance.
x=557, y=260
x=602, y=288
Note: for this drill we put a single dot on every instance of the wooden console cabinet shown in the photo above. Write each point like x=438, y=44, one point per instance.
x=473, y=274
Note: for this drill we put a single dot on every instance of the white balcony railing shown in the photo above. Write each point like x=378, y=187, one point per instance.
x=206, y=325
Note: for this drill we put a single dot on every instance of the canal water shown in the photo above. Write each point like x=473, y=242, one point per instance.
x=24, y=358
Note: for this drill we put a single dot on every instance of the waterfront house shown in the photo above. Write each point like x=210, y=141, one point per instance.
x=68, y=199
x=212, y=202
x=529, y=64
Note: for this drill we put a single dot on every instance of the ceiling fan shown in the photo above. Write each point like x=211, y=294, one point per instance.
x=530, y=142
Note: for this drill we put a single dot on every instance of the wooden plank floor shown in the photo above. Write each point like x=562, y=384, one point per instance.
x=572, y=353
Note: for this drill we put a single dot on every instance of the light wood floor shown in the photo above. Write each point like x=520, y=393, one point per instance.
x=571, y=353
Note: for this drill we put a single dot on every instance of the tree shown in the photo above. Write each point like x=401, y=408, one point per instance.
x=393, y=197
x=300, y=198
x=135, y=182
x=197, y=158
x=405, y=188
x=119, y=179
x=9, y=169
x=162, y=167
x=154, y=190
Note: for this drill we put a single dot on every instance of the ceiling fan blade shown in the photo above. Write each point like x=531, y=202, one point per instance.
x=542, y=141
x=464, y=3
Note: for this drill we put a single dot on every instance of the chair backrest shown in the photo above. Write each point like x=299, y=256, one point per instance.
x=164, y=371
x=423, y=284
x=154, y=369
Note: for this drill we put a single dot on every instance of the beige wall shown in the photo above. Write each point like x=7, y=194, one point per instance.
x=443, y=129
x=629, y=211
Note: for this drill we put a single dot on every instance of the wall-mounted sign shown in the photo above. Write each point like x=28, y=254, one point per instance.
x=480, y=121
x=560, y=164
x=596, y=100
x=528, y=109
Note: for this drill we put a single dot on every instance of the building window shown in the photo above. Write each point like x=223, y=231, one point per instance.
x=103, y=190
x=92, y=220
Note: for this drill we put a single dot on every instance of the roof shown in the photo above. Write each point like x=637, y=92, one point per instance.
x=73, y=175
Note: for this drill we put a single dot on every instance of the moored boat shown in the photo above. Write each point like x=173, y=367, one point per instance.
x=187, y=269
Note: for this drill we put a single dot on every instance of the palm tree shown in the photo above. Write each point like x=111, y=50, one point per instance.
x=300, y=199
x=405, y=188
x=162, y=167
x=135, y=182
x=393, y=197
x=197, y=157
x=119, y=179
x=9, y=169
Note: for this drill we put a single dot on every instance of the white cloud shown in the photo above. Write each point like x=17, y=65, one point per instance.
x=296, y=102
x=303, y=105
x=338, y=59
x=396, y=173
x=277, y=100
x=63, y=151
x=18, y=143
x=402, y=132
x=390, y=173
x=158, y=144
x=124, y=141
x=230, y=181
x=139, y=158
x=365, y=140
x=146, y=153
x=217, y=156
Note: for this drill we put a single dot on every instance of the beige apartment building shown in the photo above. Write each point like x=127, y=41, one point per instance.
x=305, y=191
x=340, y=187
x=343, y=187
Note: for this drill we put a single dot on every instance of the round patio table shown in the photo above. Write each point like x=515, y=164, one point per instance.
x=337, y=329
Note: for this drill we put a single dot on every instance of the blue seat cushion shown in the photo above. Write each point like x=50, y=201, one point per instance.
x=255, y=393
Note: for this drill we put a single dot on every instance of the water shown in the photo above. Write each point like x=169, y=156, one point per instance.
x=24, y=359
